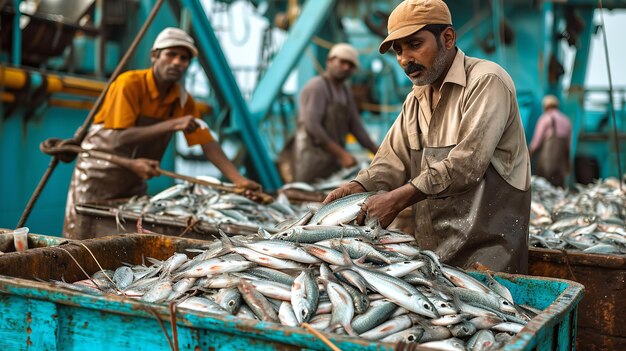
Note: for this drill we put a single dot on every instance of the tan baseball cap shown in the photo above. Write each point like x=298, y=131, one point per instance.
x=411, y=16
x=171, y=37
x=550, y=101
x=345, y=52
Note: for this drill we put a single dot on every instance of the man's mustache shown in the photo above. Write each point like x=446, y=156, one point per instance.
x=413, y=67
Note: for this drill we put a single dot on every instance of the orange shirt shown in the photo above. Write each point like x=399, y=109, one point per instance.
x=134, y=94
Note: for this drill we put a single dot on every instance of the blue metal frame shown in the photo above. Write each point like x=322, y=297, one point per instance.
x=309, y=22
x=17, y=34
x=226, y=85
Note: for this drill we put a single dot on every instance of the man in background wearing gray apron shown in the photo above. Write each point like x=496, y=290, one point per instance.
x=140, y=113
x=551, y=143
x=327, y=113
x=457, y=151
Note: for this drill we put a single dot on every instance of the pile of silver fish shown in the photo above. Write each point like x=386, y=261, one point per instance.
x=212, y=206
x=334, y=181
x=361, y=281
x=590, y=218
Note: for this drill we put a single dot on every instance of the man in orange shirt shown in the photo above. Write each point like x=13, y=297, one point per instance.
x=141, y=111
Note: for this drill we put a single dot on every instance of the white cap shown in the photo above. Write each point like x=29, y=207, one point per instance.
x=171, y=37
x=345, y=52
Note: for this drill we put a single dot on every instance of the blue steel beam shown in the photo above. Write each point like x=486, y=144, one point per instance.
x=17, y=34
x=226, y=85
x=309, y=22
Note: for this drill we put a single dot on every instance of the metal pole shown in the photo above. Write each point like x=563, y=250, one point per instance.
x=80, y=134
x=17, y=34
x=611, y=106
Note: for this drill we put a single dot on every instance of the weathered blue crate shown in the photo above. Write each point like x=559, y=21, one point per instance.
x=38, y=316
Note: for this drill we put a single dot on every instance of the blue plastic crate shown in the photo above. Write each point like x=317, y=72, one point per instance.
x=38, y=316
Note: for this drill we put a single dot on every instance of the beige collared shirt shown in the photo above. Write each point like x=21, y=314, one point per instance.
x=477, y=114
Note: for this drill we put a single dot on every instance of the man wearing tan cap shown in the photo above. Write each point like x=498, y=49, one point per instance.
x=457, y=151
x=551, y=143
x=141, y=111
x=327, y=113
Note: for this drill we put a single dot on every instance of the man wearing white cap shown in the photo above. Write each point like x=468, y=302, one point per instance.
x=551, y=143
x=327, y=113
x=141, y=111
x=457, y=151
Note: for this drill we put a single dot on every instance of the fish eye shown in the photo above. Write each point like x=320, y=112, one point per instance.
x=505, y=302
x=231, y=303
x=427, y=306
x=411, y=338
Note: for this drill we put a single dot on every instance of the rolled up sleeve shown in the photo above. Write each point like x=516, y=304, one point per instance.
x=485, y=114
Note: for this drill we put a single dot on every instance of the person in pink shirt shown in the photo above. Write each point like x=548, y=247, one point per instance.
x=551, y=143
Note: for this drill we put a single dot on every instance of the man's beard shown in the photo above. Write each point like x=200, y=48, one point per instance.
x=436, y=70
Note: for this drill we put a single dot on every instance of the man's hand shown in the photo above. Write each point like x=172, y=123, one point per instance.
x=247, y=184
x=252, y=188
x=383, y=206
x=186, y=123
x=347, y=160
x=145, y=168
x=344, y=190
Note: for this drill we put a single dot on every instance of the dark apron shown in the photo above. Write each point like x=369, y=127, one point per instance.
x=310, y=160
x=487, y=224
x=96, y=180
x=552, y=158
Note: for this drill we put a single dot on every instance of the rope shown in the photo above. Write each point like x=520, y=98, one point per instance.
x=320, y=336
x=569, y=267
x=173, y=324
x=192, y=223
x=608, y=68
x=156, y=315
x=81, y=268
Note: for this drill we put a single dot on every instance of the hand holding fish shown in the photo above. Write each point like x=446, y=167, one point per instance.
x=385, y=206
x=381, y=206
x=343, y=191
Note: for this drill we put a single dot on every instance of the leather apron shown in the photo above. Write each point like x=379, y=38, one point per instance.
x=311, y=161
x=487, y=223
x=96, y=181
x=552, y=158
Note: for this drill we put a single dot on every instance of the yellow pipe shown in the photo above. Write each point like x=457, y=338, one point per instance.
x=75, y=104
x=7, y=97
x=12, y=78
x=15, y=78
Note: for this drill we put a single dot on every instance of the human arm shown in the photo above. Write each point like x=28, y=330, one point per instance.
x=214, y=153
x=145, y=168
x=390, y=167
x=132, y=135
x=386, y=206
x=538, y=136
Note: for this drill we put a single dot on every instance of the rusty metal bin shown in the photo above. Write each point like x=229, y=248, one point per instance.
x=107, y=215
x=34, y=241
x=601, y=312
